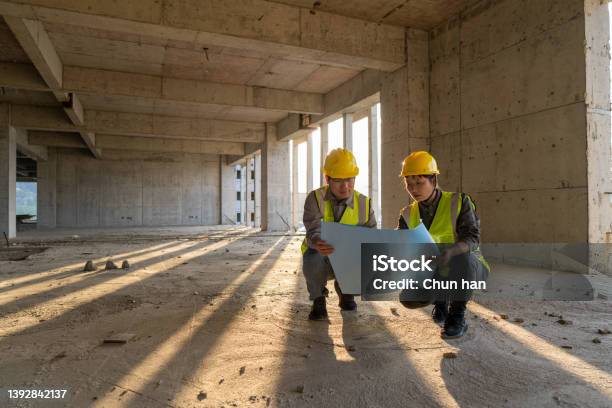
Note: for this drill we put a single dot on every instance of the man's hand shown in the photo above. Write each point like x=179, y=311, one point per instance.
x=443, y=259
x=323, y=247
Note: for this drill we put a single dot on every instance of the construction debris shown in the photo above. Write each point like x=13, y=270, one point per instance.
x=564, y=322
x=603, y=331
x=120, y=338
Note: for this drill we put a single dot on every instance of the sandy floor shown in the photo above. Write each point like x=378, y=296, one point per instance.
x=218, y=318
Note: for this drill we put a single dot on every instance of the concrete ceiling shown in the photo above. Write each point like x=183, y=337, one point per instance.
x=232, y=61
x=423, y=14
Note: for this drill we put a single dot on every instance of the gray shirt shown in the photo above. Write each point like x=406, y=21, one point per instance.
x=312, y=214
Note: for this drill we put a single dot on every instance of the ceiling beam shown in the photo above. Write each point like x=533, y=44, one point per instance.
x=137, y=124
x=35, y=41
x=56, y=139
x=89, y=81
x=134, y=143
x=153, y=144
x=257, y=25
x=356, y=94
x=38, y=153
x=21, y=76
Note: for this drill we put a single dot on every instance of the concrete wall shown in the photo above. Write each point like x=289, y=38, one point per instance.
x=131, y=189
x=47, y=190
x=404, y=105
x=507, y=87
x=228, y=194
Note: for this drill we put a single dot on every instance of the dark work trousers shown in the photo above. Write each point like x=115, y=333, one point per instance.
x=461, y=267
x=464, y=267
x=317, y=271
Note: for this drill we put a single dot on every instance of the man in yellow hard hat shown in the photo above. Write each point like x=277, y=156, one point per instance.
x=337, y=201
x=453, y=224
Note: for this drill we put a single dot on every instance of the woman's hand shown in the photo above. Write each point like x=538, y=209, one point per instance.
x=323, y=247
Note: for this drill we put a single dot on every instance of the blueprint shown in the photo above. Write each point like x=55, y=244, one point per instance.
x=347, y=240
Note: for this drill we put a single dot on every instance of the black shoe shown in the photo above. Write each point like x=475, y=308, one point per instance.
x=440, y=313
x=347, y=302
x=455, y=325
x=319, y=310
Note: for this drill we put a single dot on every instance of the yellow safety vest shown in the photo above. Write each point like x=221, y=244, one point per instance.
x=358, y=215
x=443, y=226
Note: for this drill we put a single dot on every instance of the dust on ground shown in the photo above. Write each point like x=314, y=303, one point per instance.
x=218, y=318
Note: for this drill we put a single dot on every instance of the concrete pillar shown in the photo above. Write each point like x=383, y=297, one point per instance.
x=324, y=147
x=275, y=183
x=598, y=114
x=46, y=197
x=258, y=190
x=404, y=100
x=374, y=187
x=309, y=162
x=8, y=177
x=347, y=130
x=294, y=185
x=247, y=194
x=227, y=184
x=243, y=194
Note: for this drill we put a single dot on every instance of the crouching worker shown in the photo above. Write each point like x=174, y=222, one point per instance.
x=335, y=202
x=453, y=224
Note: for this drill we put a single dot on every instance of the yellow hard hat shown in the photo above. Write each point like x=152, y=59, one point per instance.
x=418, y=163
x=340, y=163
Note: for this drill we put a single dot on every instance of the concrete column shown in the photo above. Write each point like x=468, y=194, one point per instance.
x=598, y=114
x=404, y=108
x=309, y=163
x=294, y=185
x=249, y=189
x=257, y=190
x=46, y=197
x=347, y=130
x=243, y=194
x=8, y=177
x=227, y=185
x=374, y=187
x=275, y=183
x=324, y=147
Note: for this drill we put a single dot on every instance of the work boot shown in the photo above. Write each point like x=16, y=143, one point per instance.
x=455, y=325
x=440, y=313
x=347, y=302
x=319, y=310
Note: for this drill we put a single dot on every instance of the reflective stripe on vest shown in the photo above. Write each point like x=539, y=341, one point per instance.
x=358, y=215
x=443, y=228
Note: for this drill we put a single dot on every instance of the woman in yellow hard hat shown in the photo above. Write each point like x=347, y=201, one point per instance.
x=453, y=224
x=337, y=201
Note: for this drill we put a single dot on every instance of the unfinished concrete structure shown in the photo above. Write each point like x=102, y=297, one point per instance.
x=200, y=113
x=135, y=113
